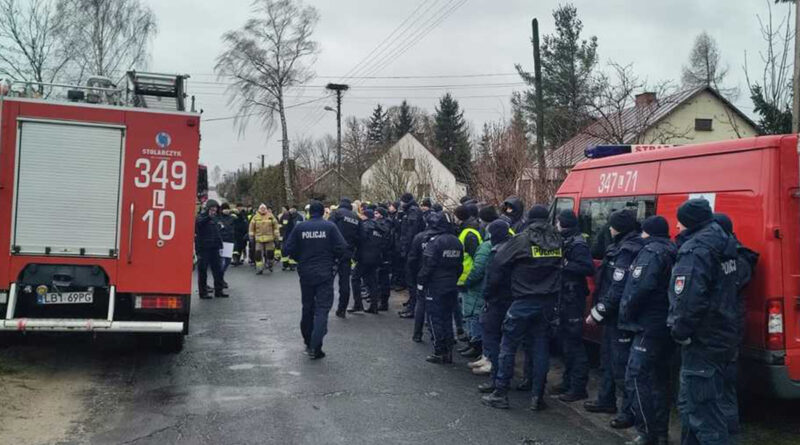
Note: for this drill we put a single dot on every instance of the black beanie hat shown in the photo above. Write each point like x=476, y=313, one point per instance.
x=498, y=231
x=694, y=213
x=462, y=213
x=369, y=213
x=472, y=208
x=315, y=208
x=567, y=219
x=406, y=198
x=426, y=202
x=211, y=203
x=724, y=221
x=488, y=214
x=623, y=221
x=346, y=203
x=382, y=210
x=437, y=207
x=656, y=226
x=538, y=212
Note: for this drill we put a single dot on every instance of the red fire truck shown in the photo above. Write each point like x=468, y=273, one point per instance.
x=97, y=205
x=755, y=181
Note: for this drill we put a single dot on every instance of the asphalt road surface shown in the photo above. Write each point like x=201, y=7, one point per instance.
x=242, y=378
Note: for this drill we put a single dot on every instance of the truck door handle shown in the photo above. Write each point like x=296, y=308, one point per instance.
x=130, y=238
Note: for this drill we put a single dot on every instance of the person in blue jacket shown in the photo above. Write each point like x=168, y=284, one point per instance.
x=643, y=311
x=578, y=265
x=703, y=318
x=207, y=244
x=615, y=349
x=437, y=281
x=317, y=246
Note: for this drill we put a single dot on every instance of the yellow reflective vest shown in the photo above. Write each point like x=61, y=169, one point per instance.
x=467, y=263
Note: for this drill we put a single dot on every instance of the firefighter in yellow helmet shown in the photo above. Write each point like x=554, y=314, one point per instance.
x=264, y=232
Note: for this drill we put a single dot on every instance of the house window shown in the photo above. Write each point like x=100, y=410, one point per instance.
x=409, y=165
x=423, y=190
x=703, y=124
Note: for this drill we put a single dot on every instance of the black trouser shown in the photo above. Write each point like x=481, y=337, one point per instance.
x=369, y=273
x=345, y=268
x=384, y=284
x=317, y=300
x=239, y=247
x=205, y=259
x=419, y=311
x=398, y=269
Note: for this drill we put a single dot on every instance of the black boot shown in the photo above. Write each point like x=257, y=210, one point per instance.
x=559, y=389
x=537, y=404
x=497, y=399
x=220, y=294
x=463, y=348
x=593, y=407
x=358, y=307
x=341, y=313
x=573, y=397
x=471, y=353
x=373, y=307
x=525, y=385
x=204, y=295
x=406, y=314
x=486, y=387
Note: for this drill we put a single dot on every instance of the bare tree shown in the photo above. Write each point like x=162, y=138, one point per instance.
x=389, y=180
x=500, y=162
x=705, y=67
x=265, y=58
x=107, y=37
x=30, y=47
x=355, y=146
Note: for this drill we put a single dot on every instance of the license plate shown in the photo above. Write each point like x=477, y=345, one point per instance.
x=66, y=298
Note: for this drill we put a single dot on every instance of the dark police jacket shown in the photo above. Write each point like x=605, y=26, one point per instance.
x=703, y=293
x=414, y=258
x=387, y=226
x=531, y=261
x=348, y=223
x=411, y=224
x=207, y=233
x=226, y=226
x=316, y=245
x=441, y=264
x=501, y=293
x=613, y=275
x=372, y=240
x=578, y=265
x=240, y=227
x=644, y=304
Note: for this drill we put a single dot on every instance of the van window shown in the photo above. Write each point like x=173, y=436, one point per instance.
x=558, y=205
x=594, y=212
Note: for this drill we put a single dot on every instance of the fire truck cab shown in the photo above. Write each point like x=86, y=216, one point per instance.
x=755, y=181
x=97, y=204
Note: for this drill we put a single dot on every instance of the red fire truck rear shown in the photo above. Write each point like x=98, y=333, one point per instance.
x=755, y=181
x=97, y=202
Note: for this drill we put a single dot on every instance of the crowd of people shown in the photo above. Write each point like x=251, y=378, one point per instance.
x=507, y=281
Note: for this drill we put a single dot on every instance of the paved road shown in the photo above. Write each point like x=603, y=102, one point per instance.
x=242, y=378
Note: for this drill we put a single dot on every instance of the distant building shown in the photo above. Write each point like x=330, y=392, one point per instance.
x=408, y=166
x=688, y=117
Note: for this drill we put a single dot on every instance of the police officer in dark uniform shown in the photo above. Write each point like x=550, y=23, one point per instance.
x=385, y=268
x=369, y=254
x=437, y=282
x=410, y=225
x=703, y=317
x=532, y=262
x=745, y=268
x=208, y=242
x=317, y=246
x=398, y=263
x=347, y=222
x=613, y=275
x=643, y=311
x=412, y=269
x=240, y=228
x=578, y=265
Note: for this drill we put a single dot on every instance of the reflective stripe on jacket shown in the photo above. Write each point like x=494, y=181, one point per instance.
x=468, y=260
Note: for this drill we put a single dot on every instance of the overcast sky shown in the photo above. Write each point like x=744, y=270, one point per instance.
x=473, y=37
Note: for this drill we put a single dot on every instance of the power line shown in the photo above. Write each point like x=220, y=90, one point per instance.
x=421, y=87
x=287, y=107
x=408, y=76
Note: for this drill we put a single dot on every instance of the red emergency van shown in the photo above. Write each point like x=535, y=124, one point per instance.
x=97, y=206
x=755, y=181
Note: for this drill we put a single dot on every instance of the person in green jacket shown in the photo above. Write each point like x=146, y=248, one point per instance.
x=472, y=304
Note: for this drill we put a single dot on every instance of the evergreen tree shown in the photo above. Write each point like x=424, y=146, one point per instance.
x=378, y=128
x=452, y=138
x=405, y=122
x=568, y=86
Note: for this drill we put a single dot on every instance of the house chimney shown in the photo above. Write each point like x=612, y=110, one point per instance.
x=645, y=99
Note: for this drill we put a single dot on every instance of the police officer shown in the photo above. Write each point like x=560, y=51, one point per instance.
x=578, y=265
x=745, y=267
x=410, y=225
x=385, y=268
x=513, y=212
x=497, y=302
x=703, y=317
x=398, y=263
x=208, y=242
x=413, y=265
x=240, y=227
x=437, y=282
x=317, y=245
x=347, y=222
x=471, y=239
x=532, y=263
x=369, y=254
x=643, y=311
x=613, y=275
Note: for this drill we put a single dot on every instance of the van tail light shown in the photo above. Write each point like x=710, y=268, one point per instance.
x=775, y=324
x=157, y=302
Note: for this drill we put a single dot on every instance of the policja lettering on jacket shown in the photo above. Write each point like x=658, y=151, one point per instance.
x=313, y=235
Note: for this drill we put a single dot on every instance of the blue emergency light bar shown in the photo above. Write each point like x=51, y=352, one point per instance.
x=602, y=151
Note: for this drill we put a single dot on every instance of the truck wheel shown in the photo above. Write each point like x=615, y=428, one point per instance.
x=170, y=343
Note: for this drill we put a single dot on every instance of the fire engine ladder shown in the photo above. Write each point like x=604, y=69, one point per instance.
x=82, y=324
x=166, y=92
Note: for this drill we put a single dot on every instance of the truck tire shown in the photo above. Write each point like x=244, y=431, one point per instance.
x=170, y=343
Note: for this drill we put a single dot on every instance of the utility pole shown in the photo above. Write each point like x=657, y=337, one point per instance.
x=537, y=70
x=251, y=168
x=339, y=89
x=262, y=161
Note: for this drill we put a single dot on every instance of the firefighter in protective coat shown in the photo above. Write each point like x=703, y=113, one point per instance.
x=264, y=232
